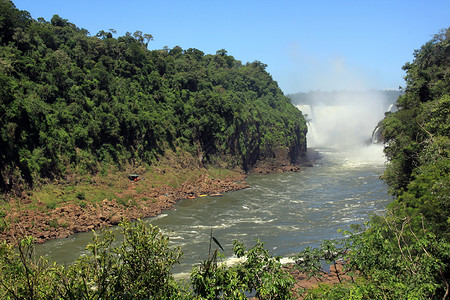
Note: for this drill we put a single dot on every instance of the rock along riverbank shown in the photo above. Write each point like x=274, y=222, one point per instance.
x=69, y=218
x=44, y=223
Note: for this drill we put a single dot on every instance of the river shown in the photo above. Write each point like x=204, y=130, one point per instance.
x=287, y=211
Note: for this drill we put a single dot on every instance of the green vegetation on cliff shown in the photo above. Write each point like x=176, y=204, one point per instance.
x=405, y=254
x=74, y=102
x=70, y=101
x=418, y=137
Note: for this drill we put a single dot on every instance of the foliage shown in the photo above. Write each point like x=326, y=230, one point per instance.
x=406, y=253
x=331, y=292
x=418, y=138
x=260, y=274
x=23, y=276
x=418, y=133
x=395, y=261
x=310, y=260
x=74, y=103
x=389, y=260
x=140, y=268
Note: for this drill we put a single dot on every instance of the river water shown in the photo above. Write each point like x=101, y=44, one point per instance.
x=287, y=211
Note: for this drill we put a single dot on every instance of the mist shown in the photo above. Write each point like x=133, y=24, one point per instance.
x=344, y=121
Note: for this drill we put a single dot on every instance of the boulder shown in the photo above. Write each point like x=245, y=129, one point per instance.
x=115, y=219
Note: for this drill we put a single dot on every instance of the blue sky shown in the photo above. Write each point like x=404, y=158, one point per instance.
x=307, y=45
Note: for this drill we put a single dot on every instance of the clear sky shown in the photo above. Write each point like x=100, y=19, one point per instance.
x=307, y=45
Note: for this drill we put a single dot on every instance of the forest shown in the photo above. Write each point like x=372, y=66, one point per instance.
x=72, y=102
x=405, y=253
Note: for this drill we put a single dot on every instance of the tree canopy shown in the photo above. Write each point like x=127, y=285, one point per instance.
x=70, y=101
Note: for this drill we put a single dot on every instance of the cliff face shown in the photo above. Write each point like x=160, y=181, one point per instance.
x=281, y=161
x=289, y=152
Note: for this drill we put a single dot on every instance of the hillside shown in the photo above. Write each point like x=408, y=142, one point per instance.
x=78, y=104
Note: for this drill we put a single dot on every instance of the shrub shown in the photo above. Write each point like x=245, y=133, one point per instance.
x=81, y=196
x=260, y=274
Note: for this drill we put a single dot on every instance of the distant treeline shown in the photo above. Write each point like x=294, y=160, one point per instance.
x=329, y=97
x=71, y=101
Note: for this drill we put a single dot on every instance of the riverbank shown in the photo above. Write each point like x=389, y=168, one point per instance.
x=148, y=197
x=304, y=284
x=61, y=209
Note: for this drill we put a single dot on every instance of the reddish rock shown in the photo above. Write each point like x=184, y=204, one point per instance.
x=114, y=220
x=72, y=218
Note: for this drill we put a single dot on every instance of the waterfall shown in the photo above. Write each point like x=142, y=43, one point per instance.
x=377, y=134
x=339, y=126
x=346, y=125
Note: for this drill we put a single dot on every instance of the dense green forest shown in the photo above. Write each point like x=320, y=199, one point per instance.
x=67, y=104
x=71, y=102
x=405, y=254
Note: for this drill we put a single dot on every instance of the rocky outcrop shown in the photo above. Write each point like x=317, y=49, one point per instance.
x=282, y=161
x=70, y=218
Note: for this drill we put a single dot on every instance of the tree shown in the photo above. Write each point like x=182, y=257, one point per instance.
x=58, y=21
x=65, y=90
x=148, y=37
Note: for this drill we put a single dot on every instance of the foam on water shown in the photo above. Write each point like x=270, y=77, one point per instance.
x=219, y=226
x=160, y=216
